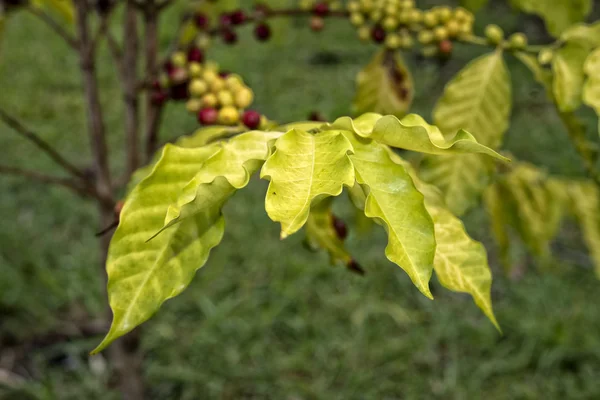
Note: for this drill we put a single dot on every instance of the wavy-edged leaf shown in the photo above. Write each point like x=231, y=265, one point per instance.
x=232, y=166
x=591, y=88
x=384, y=86
x=557, y=14
x=460, y=262
x=584, y=201
x=473, y=5
x=142, y=275
x=305, y=168
x=394, y=202
x=320, y=232
x=567, y=66
x=478, y=100
x=588, y=35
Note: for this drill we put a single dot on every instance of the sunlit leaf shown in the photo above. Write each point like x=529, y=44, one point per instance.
x=584, y=34
x=384, y=86
x=557, y=14
x=567, y=66
x=305, y=168
x=591, y=88
x=473, y=5
x=64, y=8
x=394, y=202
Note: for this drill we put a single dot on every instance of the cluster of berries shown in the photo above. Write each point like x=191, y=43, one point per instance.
x=215, y=96
x=495, y=35
x=395, y=23
x=319, y=10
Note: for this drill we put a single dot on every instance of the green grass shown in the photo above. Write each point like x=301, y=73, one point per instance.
x=266, y=318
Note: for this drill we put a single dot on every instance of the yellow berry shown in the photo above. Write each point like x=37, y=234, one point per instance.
x=234, y=83
x=364, y=33
x=217, y=85
x=390, y=24
x=407, y=4
x=203, y=41
x=453, y=28
x=443, y=13
x=179, y=59
x=391, y=10
x=209, y=100
x=366, y=5
x=225, y=98
x=306, y=4
x=195, y=69
x=494, y=34
x=357, y=19
x=193, y=105
x=440, y=33
x=353, y=6
x=426, y=37
x=198, y=87
x=518, y=41
x=545, y=57
x=229, y=115
x=209, y=76
x=415, y=16
x=375, y=15
x=393, y=41
x=243, y=98
x=430, y=19
x=461, y=15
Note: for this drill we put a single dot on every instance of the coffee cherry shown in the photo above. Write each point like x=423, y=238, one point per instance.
x=545, y=57
x=234, y=83
x=159, y=97
x=225, y=20
x=203, y=41
x=415, y=16
x=353, y=6
x=180, y=91
x=445, y=47
x=518, y=41
x=321, y=9
x=209, y=100
x=238, y=17
x=251, y=119
x=367, y=6
x=378, y=34
x=357, y=19
x=178, y=75
x=201, y=21
x=443, y=13
x=340, y=227
x=225, y=98
x=407, y=4
x=462, y=15
x=193, y=105
x=440, y=33
x=376, y=16
x=305, y=4
x=494, y=34
x=391, y=9
x=228, y=115
x=195, y=55
x=217, y=85
x=179, y=59
x=453, y=28
x=425, y=37
x=317, y=24
x=243, y=98
x=195, y=69
x=393, y=41
x=229, y=36
x=430, y=19
x=198, y=87
x=390, y=24
x=209, y=75
x=262, y=32
x=364, y=33
x=208, y=116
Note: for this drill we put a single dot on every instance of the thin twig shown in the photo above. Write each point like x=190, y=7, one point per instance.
x=55, y=26
x=43, y=178
x=130, y=93
x=153, y=111
x=40, y=143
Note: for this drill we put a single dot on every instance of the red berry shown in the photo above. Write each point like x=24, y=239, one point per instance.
x=225, y=20
x=251, y=119
x=340, y=228
x=317, y=24
x=229, y=36
x=195, y=55
x=201, y=21
x=321, y=9
x=262, y=32
x=378, y=34
x=180, y=91
x=169, y=67
x=445, y=47
x=238, y=17
x=159, y=97
x=208, y=116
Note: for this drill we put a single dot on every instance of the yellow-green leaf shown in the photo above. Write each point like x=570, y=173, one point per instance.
x=567, y=66
x=384, y=86
x=499, y=216
x=557, y=14
x=305, y=168
x=62, y=7
x=584, y=200
x=394, y=202
x=591, y=88
x=141, y=274
x=587, y=35
x=320, y=232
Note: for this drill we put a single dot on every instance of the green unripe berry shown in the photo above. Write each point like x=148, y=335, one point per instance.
x=443, y=13
x=163, y=80
x=357, y=19
x=518, y=41
x=430, y=19
x=366, y=6
x=364, y=33
x=453, y=28
x=545, y=57
x=425, y=37
x=393, y=41
x=229, y=115
x=179, y=59
x=391, y=9
x=198, y=87
x=306, y=5
x=440, y=33
x=415, y=16
x=193, y=105
x=195, y=69
x=466, y=29
x=429, y=51
x=494, y=34
x=225, y=98
x=407, y=4
x=376, y=15
x=404, y=17
x=354, y=6
x=462, y=15
x=390, y=24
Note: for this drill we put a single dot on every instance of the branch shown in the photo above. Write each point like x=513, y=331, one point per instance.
x=55, y=26
x=130, y=92
x=41, y=144
x=153, y=111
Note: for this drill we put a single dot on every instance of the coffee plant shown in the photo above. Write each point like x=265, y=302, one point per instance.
x=171, y=216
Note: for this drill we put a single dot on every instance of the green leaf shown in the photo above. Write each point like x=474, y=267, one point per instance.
x=567, y=66
x=384, y=86
x=142, y=275
x=305, y=168
x=584, y=34
x=493, y=200
x=591, y=88
x=473, y=5
x=414, y=133
x=394, y=202
x=584, y=201
x=231, y=166
x=460, y=262
x=320, y=232
x=64, y=8
x=478, y=100
x=557, y=14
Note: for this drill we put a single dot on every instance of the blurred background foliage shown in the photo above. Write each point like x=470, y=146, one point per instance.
x=267, y=318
